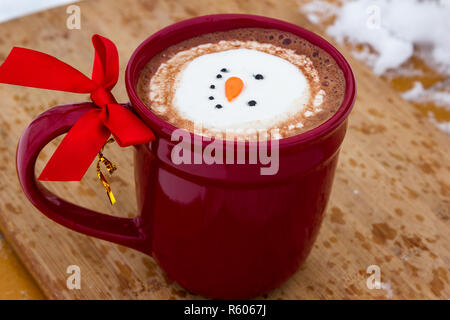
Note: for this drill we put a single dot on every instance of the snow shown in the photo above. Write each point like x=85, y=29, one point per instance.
x=387, y=287
x=10, y=9
x=391, y=28
x=419, y=94
x=388, y=33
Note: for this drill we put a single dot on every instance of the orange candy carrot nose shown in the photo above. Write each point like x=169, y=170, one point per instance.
x=233, y=87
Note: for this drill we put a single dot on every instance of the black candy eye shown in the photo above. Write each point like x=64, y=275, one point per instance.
x=224, y=70
x=252, y=103
x=259, y=76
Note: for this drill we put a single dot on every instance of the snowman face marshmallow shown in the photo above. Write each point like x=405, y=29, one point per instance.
x=240, y=89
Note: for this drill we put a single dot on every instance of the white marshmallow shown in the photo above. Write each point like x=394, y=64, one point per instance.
x=283, y=92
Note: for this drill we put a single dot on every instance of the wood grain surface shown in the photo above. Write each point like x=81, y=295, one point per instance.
x=390, y=205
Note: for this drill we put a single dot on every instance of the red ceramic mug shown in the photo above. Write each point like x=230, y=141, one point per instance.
x=223, y=231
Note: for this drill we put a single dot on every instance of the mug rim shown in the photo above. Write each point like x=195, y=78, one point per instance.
x=164, y=128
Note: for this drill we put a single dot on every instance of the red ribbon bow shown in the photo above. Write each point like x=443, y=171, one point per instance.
x=84, y=140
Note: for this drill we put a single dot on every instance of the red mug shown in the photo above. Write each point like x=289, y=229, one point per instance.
x=222, y=231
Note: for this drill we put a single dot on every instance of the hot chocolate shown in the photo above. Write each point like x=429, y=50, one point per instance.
x=244, y=83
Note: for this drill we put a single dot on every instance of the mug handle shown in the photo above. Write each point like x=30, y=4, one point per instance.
x=46, y=127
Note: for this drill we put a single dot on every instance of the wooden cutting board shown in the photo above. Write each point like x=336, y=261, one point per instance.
x=390, y=204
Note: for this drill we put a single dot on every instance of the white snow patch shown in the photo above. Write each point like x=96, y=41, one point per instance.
x=387, y=287
x=419, y=94
x=10, y=9
x=391, y=28
x=388, y=33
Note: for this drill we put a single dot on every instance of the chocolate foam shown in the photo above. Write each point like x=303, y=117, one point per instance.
x=161, y=77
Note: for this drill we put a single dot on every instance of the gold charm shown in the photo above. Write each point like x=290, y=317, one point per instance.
x=110, y=167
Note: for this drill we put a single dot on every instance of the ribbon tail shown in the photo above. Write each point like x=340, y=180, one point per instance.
x=31, y=68
x=78, y=149
x=126, y=127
